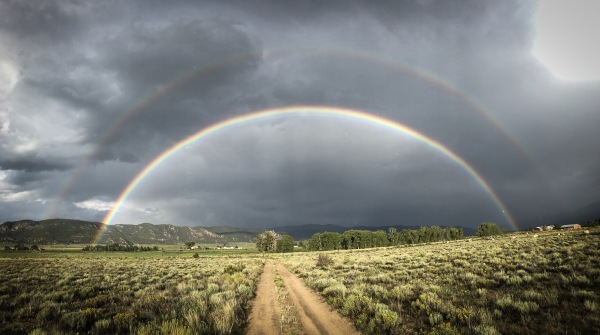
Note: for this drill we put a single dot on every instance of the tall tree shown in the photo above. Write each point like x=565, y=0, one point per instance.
x=267, y=241
x=380, y=239
x=488, y=229
x=314, y=243
x=285, y=244
x=330, y=241
x=393, y=236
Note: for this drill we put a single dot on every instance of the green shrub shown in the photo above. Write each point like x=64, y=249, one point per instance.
x=335, y=290
x=224, y=317
x=171, y=327
x=485, y=330
x=245, y=292
x=590, y=305
x=435, y=319
x=321, y=283
x=103, y=326
x=403, y=293
x=444, y=329
x=233, y=268
x=48, y=311
x=356, y=305
x=385, y=319
x=212, y=288
x=79, y=321
x=124, y=321
x=324, y=260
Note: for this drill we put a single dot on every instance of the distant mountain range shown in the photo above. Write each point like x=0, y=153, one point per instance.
x=66, y=231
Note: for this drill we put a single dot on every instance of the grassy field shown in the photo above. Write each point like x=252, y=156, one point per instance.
x=165, y=250
x=104, y=293
x=547, y=283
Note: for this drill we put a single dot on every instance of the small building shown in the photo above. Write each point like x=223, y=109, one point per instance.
x=227, y=247
x=574, y=226
x=542, y=228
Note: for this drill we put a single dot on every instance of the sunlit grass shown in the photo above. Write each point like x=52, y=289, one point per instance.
x=137, y=295
x=517, y=284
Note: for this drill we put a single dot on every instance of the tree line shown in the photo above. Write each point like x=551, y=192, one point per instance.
x=118, y=247
x=22, y=247
x=361, y=239
x=270, y=241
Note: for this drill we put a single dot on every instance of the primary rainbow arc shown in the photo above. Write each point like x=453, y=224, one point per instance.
x=322, y=110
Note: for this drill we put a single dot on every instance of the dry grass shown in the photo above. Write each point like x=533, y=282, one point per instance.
x=515, y=284
x=108, y=295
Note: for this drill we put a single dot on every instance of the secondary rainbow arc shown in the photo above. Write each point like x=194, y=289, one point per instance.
x=185, y=77
x=325, y=110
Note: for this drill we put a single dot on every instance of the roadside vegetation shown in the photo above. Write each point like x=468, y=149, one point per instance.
x=523, y=283
x=116, y=295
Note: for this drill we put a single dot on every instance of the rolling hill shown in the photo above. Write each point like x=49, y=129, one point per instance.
x=65, y=231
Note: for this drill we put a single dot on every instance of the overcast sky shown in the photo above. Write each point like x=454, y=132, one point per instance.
x=92, y=91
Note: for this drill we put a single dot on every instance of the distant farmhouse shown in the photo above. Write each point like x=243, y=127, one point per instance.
x=227, y=247
x=571, y=226
x=542, y=228
x=574, y=226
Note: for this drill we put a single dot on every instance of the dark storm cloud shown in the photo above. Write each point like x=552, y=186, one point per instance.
x=110, y=70
x=34, y=19
x=171, y=75
x=183, y=65
x=32, y=164
x=145, y=55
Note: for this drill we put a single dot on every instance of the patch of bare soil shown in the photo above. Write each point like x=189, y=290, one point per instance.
x=316, y=317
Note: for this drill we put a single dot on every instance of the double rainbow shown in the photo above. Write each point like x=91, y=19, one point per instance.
x=282, y=53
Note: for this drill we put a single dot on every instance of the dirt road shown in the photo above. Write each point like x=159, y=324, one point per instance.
x=315, y=316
